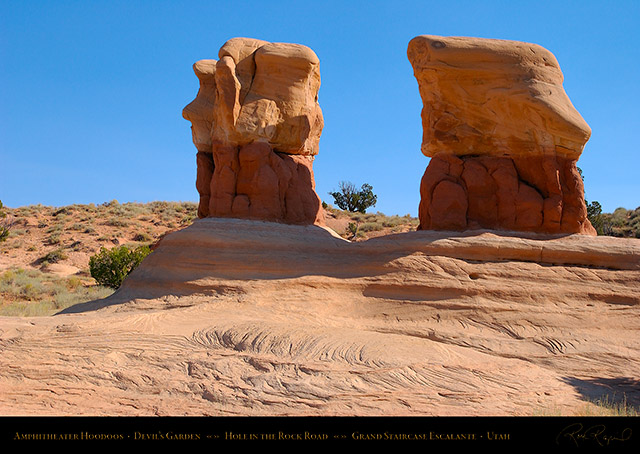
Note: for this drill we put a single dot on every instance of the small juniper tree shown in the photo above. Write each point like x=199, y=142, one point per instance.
x=350, y=199
x=594, y=213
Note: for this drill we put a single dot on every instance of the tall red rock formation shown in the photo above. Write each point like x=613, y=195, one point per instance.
x=502, y=135
x=256, y=124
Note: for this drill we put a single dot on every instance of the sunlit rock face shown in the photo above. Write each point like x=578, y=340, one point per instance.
x=503, y=136
x=256, y=124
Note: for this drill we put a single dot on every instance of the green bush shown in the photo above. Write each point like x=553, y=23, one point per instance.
x=594, y=214
x=111, y=266
x=352, y=230
x=350, y=199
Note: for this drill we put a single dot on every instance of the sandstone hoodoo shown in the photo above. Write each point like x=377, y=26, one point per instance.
x=256, y=124
x=502, y=135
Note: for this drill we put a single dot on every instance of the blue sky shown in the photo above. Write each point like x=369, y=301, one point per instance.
x=91, y=92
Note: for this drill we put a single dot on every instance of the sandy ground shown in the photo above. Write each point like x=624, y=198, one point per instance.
x=231, y=317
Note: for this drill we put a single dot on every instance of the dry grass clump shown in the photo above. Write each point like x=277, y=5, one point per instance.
x=610, y=406
x=31, y=292
x=603, y=406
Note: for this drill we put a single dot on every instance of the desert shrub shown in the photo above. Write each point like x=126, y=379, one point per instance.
x=53, y=256
x=115, y=222
x=350, y=199
x=63, y=211
x=23, y=284
x=4, y=232
x=5, y=224
x=31, y=291
x=143, y=237
x=187, y=219
x=131, y=209
x=364, y=217
x=395, y=221
x=352, y=229
x=111, y=266
x=620, y=223
x=159, y=206
x=371, y=226
x=73, y=282
x=54, y=238
x=594, y=214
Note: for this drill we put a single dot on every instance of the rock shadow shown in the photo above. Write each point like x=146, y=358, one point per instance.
x=611, y=392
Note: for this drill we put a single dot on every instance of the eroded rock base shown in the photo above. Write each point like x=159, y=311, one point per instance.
x=253, y=181
x=542, y=194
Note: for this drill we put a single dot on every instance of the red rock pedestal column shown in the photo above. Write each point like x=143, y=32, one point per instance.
x=537, y=194
x=255, y=182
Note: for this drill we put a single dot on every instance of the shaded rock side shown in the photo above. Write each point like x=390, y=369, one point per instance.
x=503, y=136
x=256, y=124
